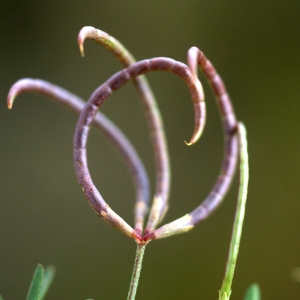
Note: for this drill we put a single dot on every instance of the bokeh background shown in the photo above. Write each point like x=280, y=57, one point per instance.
x=44, y=216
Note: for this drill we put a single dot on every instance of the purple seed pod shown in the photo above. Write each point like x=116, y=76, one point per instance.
x=98, y=98
x=107, y=127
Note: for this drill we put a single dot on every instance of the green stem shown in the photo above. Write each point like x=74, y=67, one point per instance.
x=225, y=291
x=136, y=271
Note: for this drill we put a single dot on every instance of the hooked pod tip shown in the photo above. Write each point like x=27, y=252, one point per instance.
x=81, y=49
x=188, y=143
x=10, y=100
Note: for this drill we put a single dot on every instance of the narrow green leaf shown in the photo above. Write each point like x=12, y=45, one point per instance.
x=48, y=278
x=253, y=292
x=36, y=284
x=1, y=298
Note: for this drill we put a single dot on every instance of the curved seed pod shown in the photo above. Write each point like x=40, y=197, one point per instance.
x=215, y=197
x=90, y=110
x=160, y=202
x=152, y=115
x=108, y=128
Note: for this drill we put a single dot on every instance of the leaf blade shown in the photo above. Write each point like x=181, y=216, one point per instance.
x=36, y=284
x=48, y=278
x=253, y=292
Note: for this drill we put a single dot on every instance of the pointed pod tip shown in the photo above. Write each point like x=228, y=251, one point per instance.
x=10, y=101
x=80, y=41
x=189, y=143
x=83, y=34
x=81, y=48
x=196, y=136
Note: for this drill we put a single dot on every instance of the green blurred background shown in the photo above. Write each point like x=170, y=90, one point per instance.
x=44, y=216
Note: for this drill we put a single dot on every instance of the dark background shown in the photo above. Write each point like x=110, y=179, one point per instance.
x=44, y=216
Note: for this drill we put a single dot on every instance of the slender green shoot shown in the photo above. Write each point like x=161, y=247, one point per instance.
x=1, y=298
x=40, y=283
x=253, y=292
x=35, y=288
x=224, y=293
x=48, y=278
x=136, y=271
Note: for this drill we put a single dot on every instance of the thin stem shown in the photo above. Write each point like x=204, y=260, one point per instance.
x=225, y=291
x=140, y=250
